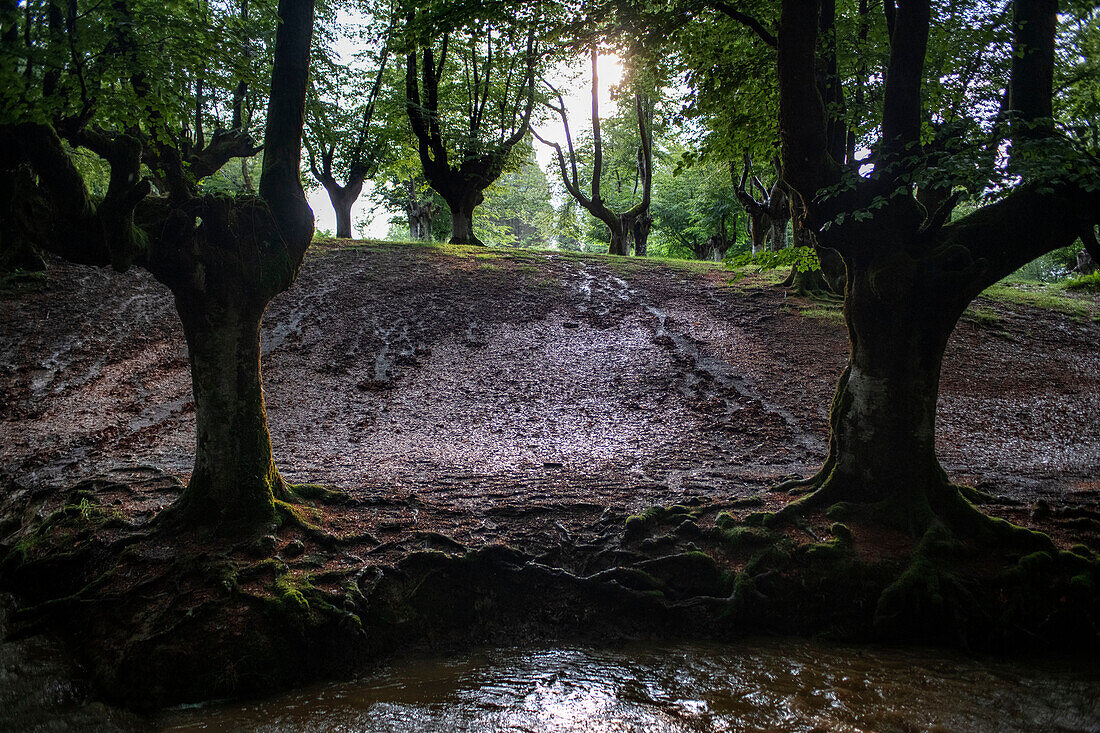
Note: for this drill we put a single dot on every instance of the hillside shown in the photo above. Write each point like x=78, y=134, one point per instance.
x=480, y=378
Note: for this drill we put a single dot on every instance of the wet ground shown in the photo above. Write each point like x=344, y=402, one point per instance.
x=753, y=685
x=474, y=380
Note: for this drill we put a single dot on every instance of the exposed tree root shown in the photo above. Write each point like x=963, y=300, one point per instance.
x=942, y=503
x=297, y=493
x=292, y=515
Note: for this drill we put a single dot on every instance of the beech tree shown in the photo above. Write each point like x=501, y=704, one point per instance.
x=629, y=228
x=695, y=210
x=343, y=144
x=222, y=257
x=912, y=271
x=768, y=207
x=469, y=94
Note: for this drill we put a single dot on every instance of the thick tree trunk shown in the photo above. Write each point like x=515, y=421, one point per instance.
x=342, y=199
x=342, y=207
x=641, y=226
x=620, y=241
x=462, y=218
x=758, y=232
x=882, y=446
x=777, y=235
x=234, y=481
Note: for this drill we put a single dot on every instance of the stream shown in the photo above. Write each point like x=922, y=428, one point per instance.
x=760, y=685
x=780, y=684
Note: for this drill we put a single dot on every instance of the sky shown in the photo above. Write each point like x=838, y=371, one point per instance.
x=576, y=89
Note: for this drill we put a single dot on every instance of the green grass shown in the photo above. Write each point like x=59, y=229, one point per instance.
x=17, y=282
x=1049, y=296
x=751, y=277
x=1089, y=283
x=982, y=316
x=832, y=314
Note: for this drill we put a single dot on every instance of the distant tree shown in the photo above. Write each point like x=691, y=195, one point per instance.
x=629, y=227
x=469, y=93
x=346, y=142
x=768, y=207
x=519, y=204
x=568, y=235
x=695, y=211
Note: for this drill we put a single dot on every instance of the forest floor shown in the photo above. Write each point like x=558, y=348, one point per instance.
x=466, y=398
x=475, y=381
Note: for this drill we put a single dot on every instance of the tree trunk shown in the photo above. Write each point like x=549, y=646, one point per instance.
x=234, y=482
x=462, y=218
x=342, y=199
x=777, y=235
x=620, y=241
x=758, y=232
x=640, y=227
x=342, y=207
x=882, y=446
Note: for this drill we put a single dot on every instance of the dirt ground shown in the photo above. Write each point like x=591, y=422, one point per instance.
x=444, y=388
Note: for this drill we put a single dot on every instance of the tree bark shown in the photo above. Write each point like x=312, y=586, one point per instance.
x=234, y=481
x=462, y=217
x=342, y=199
x=777, y=235
x=884, y=416
x=639, y=226
x=619, y=243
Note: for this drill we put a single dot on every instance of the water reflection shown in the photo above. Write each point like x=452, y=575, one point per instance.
x=779, y=685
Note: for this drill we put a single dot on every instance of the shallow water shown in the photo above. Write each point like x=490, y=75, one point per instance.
x=770, y=685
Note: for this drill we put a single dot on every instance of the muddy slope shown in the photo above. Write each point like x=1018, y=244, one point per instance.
x=477, y=379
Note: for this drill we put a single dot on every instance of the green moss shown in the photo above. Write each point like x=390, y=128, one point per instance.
x=316, y=492
x=1083, y=584
x=759, y=519
x=980, y=316
x=289, y=594
x=774, y=556
x=1037, y=562
x=1082, y=551
x=841, y=533
x=739, y=537
x=637, y=524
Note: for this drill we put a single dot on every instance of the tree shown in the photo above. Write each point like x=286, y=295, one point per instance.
x=344, y=143
x=769, y=214
x=222, y=257
x=911, y=272
x=519, y=204
x=695, y=211
x=629, y=227
x=497, y=63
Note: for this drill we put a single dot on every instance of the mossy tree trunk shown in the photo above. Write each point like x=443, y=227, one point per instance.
x=234, y=480
x=619, y=241
x=638, y=224
x=222, y=257
x=883, y=419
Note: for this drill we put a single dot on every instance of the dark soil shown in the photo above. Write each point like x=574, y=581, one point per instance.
x=467, y=399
